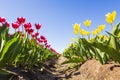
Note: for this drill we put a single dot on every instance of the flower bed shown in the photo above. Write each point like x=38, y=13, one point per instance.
x=25, y=47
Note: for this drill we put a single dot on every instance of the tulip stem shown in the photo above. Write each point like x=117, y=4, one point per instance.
x=15, y=30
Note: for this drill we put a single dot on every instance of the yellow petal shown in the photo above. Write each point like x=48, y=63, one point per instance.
x=102, y=27
x=76, y=28
x=76, y=32
x=110, y=17
x=87, y=23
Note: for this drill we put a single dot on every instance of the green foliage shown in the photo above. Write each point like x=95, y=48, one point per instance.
x=73, y=60
x=97, y=48
x=17, y=51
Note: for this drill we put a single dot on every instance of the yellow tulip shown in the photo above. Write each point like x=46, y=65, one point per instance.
x=76, y=28
x=102, y=27
x=100, y=36
x=98, y=30
x=110, y=17
x=75, y=32
x=82, y=32
x=87, y=23
x=94, y=32
x=87, y=33
x=105, y=38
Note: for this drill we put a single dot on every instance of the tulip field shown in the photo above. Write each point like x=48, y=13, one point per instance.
x=28, y=49
x=94, y=44
x=24, y=47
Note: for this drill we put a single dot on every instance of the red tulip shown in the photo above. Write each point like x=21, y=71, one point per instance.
x=54, y=51
x=47, y=46
x=45, y=41
x=36, y=34
x=2, y=20
x=26, y=29
x=39, y=40
x=33, y=35
x=30, y=31
x=21, y=20
x=15, y=25
x=27, y=25
x=42, y=37
x=38, y=26
x=7, y=24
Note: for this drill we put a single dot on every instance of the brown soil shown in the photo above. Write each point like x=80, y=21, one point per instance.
x=90, y=70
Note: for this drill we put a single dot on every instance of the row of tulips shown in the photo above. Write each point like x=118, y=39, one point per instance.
x=101, y=47
x=24, y=47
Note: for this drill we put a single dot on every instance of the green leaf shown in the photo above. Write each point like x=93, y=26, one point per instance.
x=98, y=55
x=16, y=49
x=7, y=46
x=113, y=42
x=115, y=29
x=114, y=54
x=73, y=60
x=1, y=44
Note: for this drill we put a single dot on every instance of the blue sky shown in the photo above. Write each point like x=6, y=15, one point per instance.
x=58, y=16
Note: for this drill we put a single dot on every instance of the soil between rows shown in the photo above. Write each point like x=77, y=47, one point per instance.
x=90, y=70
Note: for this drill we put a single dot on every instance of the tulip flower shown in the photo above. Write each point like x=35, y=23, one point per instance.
x=38, y=26
x=30, y=31
x=76, y=28
x=105, y=38
x=98, y=30
x=45, y=41
x=54, y=51
x=15, y=25
x=101, y=27
x=110, y=17
x=87, y=23
x=7, y=24
x=26, y=29
x=33, y=35
x=36, y=34
x=94, y=32
x=27, y=25
x=2, y=20
x=82, y=32
x=42, y=37
x=100, y=36
x=39, y=40
x=21, y=20
x=47, y=46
